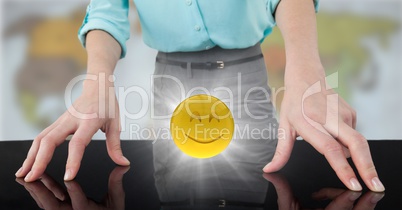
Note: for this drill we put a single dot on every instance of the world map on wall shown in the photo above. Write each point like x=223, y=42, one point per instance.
x=53, y=58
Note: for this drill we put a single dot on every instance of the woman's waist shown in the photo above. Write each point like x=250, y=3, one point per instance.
x=215, y=54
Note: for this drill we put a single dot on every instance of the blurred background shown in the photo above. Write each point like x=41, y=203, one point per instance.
x=361, y=40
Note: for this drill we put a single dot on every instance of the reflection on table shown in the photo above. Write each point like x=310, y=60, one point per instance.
x=231, y=180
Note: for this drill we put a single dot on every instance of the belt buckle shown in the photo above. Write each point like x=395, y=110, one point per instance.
x=221, y=64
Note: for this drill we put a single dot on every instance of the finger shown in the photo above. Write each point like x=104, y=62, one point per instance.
x=361, y=156
x=27, y=165
x=78, y=198
x=327, y=193
x=46, y=149
x=286, y=139
x=53, y=186
x=346, y=113
x=332, y=124
x=76, y=149
x=352, y=112
x=116, y=191
x=344, y=201
x=332, y=151
x=346, y=151
x=113, y=144
x=369, y=201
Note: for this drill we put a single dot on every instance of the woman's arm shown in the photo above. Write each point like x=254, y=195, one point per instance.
x=311, y=109
x=103, y=53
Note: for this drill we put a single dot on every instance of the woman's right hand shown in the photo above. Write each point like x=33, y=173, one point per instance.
x=89, y=113
x=95, y=109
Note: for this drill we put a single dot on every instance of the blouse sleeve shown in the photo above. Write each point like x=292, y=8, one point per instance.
x=273, y=4
x=110, y=16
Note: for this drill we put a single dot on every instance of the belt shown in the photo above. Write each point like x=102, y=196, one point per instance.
x=209, y=65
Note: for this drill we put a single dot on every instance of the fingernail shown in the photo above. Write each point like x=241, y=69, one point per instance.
x=354, y=196
x=266, y=167
x=355, y=185
x=126, y=160
x=378, y=186
x=28, y=177
x=67, y=175
x=376, y=197
x=18, y=172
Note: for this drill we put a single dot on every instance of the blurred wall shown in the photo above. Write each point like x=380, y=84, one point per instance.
x=1, y=70
x=360, y=40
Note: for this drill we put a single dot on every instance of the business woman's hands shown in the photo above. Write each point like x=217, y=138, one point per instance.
x=310, y=107
x=83, y=119
x=95, y=109
x=328, y=123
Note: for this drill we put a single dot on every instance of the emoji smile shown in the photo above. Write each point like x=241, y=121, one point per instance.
x=204, y=120
x=204, y=142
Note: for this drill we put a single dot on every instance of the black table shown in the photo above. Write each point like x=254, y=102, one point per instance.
x=161, y=177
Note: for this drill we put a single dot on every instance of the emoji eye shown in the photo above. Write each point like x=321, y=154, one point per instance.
x=212, y=117
x=195, y=115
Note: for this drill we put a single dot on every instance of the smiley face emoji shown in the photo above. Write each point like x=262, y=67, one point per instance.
x=202, y=126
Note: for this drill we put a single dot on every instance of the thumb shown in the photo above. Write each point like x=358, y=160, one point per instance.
x=113, y=144
x=286, y=139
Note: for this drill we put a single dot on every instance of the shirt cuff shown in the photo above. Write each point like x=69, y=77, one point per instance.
x=272, y=5
x=101, y=24
x=317, y=5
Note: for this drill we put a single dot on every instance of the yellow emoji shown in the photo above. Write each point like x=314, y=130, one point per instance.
x=202, y=126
